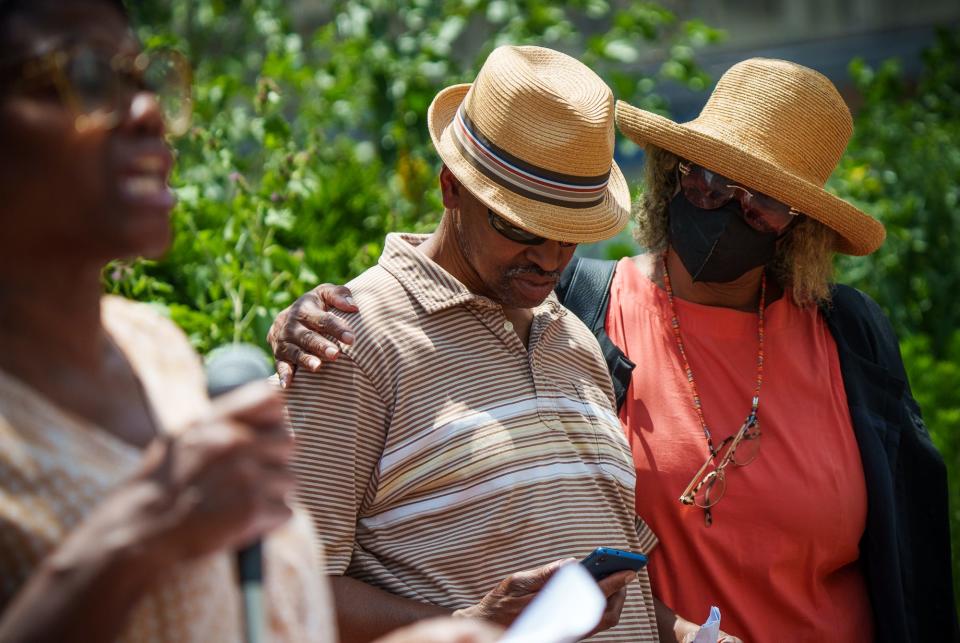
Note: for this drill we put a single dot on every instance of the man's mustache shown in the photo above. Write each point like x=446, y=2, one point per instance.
x=532, y=269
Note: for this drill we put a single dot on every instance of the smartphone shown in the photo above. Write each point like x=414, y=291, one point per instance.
x=605, y=561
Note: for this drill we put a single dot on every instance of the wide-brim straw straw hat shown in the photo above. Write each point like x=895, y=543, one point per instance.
x=776, y=127
x=532, y=138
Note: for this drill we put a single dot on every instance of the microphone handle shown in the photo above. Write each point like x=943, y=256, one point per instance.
x=230, y=367
x=250, y=568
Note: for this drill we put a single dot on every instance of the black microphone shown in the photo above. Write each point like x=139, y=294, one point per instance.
x=230, y=367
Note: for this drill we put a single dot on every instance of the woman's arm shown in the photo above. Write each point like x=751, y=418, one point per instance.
x=218, y=486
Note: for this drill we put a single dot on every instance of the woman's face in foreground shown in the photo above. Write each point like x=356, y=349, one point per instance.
x=76, y=184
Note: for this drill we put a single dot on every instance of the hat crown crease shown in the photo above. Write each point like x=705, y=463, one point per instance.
x=789, y=115
x=529, y=102
x=777, y=127
x=532, y=138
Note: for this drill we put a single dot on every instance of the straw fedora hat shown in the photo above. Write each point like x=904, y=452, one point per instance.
x=776, y=127
x=532, y=138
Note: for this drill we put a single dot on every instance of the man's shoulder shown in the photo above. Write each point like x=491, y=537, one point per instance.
x=373, y=281
x=571, y=324
x=577, y=340
x=384, y=310
x=578, y=351
x=379, y=296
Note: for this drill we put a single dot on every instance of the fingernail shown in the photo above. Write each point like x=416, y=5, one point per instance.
x=313, y=363
x=349, y=301
x=330, y=352
x=283, y=381
x=347, y=337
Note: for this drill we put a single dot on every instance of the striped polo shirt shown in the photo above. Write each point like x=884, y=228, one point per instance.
x=438, y=454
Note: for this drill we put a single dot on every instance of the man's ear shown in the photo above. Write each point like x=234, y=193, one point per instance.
x=450, y=189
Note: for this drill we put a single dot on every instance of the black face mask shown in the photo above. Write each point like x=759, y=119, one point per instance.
x=717, y=245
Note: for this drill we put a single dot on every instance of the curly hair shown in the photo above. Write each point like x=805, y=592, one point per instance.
x=803, y=260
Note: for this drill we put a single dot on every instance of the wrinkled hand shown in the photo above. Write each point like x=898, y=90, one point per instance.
x=505, y=602
x=299, y=334
x=445, y=630
x=223, y=482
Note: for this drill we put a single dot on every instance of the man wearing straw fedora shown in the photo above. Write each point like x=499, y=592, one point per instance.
x=469, y=431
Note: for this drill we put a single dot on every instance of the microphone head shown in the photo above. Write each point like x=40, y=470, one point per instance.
x=231, y=366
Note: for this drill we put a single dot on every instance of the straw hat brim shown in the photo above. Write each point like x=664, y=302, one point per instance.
x=860, y=234
x=572, y=225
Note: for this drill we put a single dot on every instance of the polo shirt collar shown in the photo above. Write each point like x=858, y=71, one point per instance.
x=434, y=288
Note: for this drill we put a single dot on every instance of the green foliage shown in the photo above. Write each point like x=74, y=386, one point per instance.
x=307, y=150
x=903, y=167
x=935, y=383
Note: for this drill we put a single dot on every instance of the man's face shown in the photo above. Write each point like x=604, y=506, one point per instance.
x=516, y=275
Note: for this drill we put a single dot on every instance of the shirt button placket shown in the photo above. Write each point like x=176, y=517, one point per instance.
x=546, y=392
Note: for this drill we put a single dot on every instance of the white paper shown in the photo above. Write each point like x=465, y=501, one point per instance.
x=568, y=607
x=709, y=632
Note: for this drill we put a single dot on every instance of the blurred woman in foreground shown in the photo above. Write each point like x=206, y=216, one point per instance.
x=114, y=521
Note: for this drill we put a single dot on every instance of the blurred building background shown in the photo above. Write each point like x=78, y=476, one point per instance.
x=823, y=34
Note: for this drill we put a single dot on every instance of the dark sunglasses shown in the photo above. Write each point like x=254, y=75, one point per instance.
x=708, y=190
x=518, y=235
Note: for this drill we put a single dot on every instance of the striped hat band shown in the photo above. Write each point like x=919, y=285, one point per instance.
x=530, y=181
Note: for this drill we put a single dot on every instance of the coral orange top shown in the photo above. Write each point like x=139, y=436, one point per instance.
x=780, y=560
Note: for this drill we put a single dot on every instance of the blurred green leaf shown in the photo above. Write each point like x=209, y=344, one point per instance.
x=307, y=148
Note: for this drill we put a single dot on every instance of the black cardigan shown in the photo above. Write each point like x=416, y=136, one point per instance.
x=905, y=548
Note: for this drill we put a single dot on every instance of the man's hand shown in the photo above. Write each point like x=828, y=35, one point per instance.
x=300, y=335
x=514, y=593
x=614, y=587
x=505, y=602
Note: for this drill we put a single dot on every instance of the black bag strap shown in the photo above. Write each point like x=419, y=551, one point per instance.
x=584, y=288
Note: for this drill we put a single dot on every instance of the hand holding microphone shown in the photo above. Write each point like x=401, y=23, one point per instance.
x=223, y=482
x=229, y=368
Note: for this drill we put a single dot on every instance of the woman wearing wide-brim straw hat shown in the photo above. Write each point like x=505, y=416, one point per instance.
x=780, y=457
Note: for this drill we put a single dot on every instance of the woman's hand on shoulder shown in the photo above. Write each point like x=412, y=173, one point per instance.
x=306, y=333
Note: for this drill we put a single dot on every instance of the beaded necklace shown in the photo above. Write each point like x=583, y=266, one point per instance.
x=697, y=404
